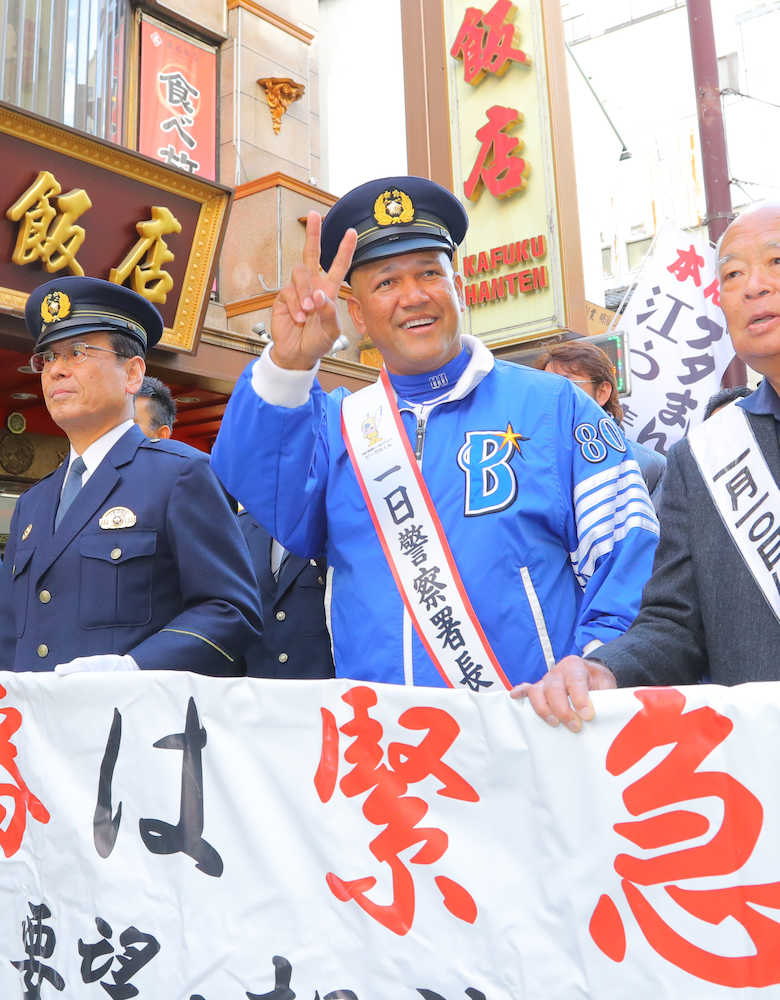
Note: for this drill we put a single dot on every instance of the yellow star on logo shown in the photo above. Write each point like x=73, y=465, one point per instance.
x=511, y=437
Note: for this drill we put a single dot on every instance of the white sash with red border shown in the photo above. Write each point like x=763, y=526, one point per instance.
x=413, y=540
x=745, y=493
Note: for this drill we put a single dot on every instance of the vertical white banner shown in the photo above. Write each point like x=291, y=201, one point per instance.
x=679, y=346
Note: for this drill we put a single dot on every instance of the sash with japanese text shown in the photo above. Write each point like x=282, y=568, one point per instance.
x=677, y=337
x=745, y=493
x=168, y=836
x=414, y=541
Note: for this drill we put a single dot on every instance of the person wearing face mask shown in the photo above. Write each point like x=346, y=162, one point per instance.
x=589, y=367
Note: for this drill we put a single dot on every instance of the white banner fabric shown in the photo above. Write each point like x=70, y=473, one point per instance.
x=176, y=837
x=677, y=337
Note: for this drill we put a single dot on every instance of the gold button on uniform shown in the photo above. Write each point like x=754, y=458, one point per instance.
x=281, y=615
x=43, y=650
x=320, y=581
x=44, y=597
x=283, y=657
x=116, y=553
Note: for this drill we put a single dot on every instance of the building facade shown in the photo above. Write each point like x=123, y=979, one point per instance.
x=636, y=135
x=150, y=138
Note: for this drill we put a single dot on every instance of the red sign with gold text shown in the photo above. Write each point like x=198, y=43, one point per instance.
x=74, y=205
x=178, y=100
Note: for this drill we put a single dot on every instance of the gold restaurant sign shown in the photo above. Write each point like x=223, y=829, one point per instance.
x=71, y=204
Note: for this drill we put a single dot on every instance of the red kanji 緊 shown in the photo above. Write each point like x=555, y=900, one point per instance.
x=485, y=42
x=688, y=265
x=387, y=804
x=12, y=831
x=497, y=165
x=678, y=778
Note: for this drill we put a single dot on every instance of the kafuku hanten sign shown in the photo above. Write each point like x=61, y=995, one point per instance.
x=71, y=204
x=497, y=133
x=510, y=270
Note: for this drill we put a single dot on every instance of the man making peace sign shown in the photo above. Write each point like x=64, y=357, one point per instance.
x=480, y=519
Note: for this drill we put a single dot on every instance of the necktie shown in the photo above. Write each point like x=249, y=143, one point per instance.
x=72, y=486
x=278, y=556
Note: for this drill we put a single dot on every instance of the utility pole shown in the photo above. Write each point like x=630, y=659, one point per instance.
x=712, y=137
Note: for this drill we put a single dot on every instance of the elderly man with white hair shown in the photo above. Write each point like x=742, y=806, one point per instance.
x=712, y=606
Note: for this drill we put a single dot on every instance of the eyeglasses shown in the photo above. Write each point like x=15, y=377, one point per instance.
x=583, y=381
x=76, y=354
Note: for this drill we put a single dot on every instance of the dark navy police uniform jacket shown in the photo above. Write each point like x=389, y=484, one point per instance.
x=175, y=589
x=295, y=642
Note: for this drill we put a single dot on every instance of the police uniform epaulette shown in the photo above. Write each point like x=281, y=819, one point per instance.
x=172, y=447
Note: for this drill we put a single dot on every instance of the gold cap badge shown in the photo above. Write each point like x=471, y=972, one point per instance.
x=393, y=206
x=117, y=517
x=55, y=306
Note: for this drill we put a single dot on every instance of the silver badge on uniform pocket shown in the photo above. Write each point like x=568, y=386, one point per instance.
x=26, y=532
x=118, y=517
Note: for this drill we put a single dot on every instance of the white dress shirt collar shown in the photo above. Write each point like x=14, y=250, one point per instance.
x=97, y=451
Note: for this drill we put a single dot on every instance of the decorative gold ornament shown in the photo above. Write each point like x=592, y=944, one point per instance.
x=16, y=422
x=55, y=306
x=392, y=207
x=280, y=93
x=17, y=454
x=26, y=532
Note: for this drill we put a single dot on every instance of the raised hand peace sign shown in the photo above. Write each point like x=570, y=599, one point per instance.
x=304, y=318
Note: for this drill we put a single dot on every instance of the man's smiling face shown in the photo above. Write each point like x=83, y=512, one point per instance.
x=410, y=305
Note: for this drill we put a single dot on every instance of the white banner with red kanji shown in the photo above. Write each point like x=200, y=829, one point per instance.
x=175, y=837
x=677, y=338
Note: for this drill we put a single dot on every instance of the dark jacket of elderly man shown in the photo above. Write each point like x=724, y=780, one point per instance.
x=711, y=609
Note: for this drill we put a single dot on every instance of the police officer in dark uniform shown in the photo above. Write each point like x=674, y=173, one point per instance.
x=295, y=641
x=127, y=556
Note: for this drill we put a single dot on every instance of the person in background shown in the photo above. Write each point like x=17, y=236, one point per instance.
x=589, y=367
x=155, y=409
x=712, y=606
x=127, y=556
x=295, y=641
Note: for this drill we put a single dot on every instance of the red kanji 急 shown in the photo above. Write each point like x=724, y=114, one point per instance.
x=388, y=806
x=498, y=166
x=485, y=42
x=12, y=831
x=680, y=778
x=688, y=265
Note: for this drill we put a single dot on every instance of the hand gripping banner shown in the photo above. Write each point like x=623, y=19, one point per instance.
x=168, y=836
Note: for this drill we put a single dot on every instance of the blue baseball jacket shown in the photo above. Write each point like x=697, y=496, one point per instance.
x=553, y=532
